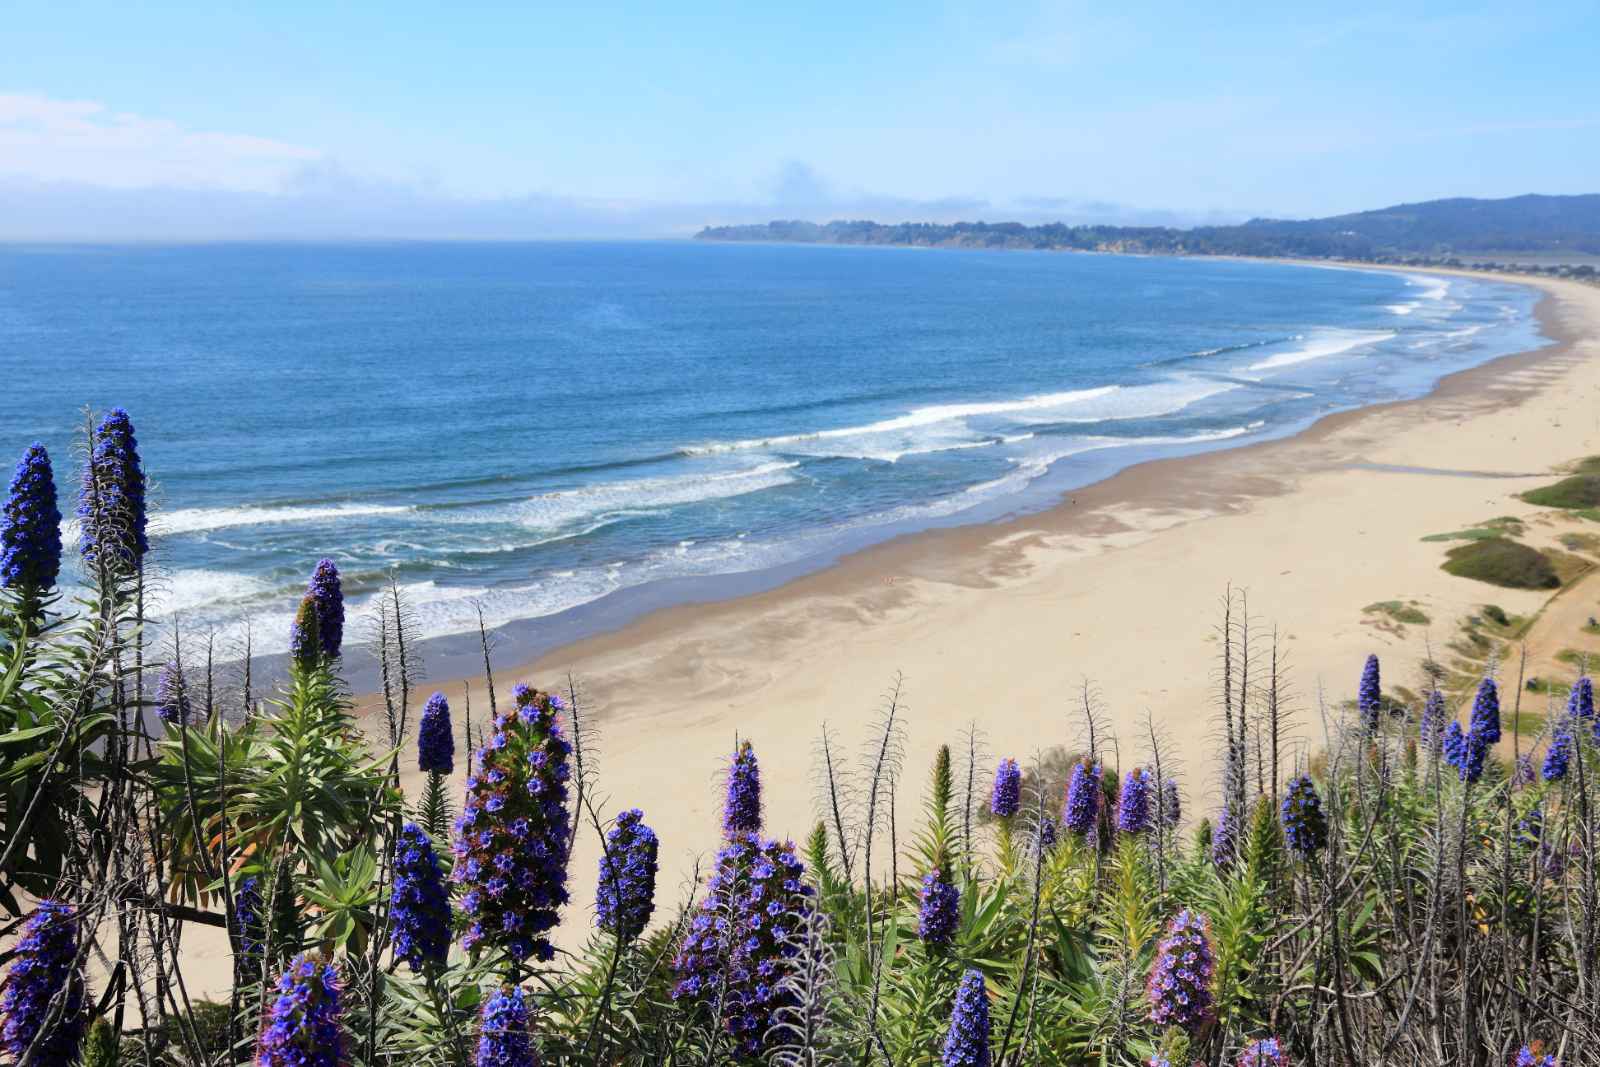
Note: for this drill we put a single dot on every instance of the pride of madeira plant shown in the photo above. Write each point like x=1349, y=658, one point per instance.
x=1402, y=893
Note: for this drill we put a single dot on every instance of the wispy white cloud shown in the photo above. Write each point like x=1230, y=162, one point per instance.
x=51, y=140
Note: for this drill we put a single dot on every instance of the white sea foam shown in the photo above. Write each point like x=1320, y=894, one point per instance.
x=197, y=520
x=183, y=591
x=1402, y=309
x=946, y=427
x=919, y=417
x=1321, y=345
x=559, y=510
x=1433, y=288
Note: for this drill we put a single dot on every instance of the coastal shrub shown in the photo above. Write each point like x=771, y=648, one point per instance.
x=1401, y=611
x=1577, y=491
x=1501, y=562
x=1476, y=533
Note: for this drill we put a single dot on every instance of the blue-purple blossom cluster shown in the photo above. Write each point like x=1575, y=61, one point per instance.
x=305, y=641
x=1305, y=826
x=1369, y=696
x=1267, y=1052
x=938, y=909
x=43, y=969
x=1082, y=809
x=626, y=894
x=436, y=745
x=419, y=907
x=1580, y=702
x=248, y=920
x=1171, y=803
x=1466, y=752
x=1006, y=797
x=1432, y=726
x=503, y=1036
x=740, y=942
x=1133, y=807
x=514, y=834
x=172, y=695
x=1179, y=989
x=1558, y=754
x=111, y=511
x=966, y=1043
x=741, y=809
x=302, y=1027
x=1580, y=713
x=327, y=591
x=1225, y=836
x=1534, y=1056
x=30, y=527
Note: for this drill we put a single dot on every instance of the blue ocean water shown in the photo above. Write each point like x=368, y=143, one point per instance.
x=533, y=427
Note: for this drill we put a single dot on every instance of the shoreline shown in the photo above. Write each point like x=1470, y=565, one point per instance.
x=1128, y=485
x=1114, y=590
x=1112, y=596
x=541, y=639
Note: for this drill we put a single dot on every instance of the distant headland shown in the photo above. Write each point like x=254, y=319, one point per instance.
x=1547, y=234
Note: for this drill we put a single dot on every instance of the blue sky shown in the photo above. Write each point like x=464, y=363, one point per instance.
x=652, y=118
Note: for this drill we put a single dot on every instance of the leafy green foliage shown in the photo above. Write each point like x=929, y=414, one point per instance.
x=1502, y=562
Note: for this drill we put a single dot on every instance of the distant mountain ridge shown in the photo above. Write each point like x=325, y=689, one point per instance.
x=1530, y=224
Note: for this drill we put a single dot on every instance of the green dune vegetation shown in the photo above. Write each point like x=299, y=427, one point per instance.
x=1411, y=889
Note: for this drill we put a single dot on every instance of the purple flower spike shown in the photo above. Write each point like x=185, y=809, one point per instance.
x=327, y=591
x=1007, y=795
x=1485, y=721
x=419, y=907
x=436, y=745
x=305, y=640
x=514, y=834
x=30, y=527
x=1534, y=1056
x=111, y=511
x=1083, y=798
x=1225, y=837
x=1171, y=804
x=626, y=895
x=248, y=920
x=1305, y=827
x=1133, y=810
x=741, y=811
x=1557, y=755
x=742, y=942
x=1268, y=1052
x=1179, y=989
x=1454, y=745
x=503, y=1036
x=966, y=1044
x=172, y=696
x=303, y=1023
x=1580, y=702
x=939, y=911
x=1432, y=727
x=1369, y=697
x=44, y=965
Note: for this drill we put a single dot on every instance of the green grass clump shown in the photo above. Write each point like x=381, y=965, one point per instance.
x=1400, y=611
x=1578, y=491
x=1504, y=563
x=1477, y=533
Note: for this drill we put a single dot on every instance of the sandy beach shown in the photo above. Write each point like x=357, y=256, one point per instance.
x=1118, y=587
